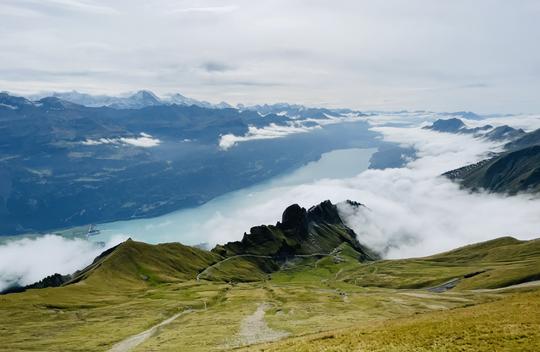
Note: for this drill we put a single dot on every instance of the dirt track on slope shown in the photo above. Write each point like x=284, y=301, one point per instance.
x=135, y=340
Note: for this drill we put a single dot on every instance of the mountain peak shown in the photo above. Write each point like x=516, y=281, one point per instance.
x=12, y=102
x=293, y=217
x=145, y=94
x=447, y=125
x=144, y=98
x=300, y=232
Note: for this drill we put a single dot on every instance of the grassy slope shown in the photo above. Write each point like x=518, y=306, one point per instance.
x=137, y=264
x=511, y=324
x=306, y=296
x=501, y=262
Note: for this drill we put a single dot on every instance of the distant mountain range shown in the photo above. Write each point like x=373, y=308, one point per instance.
x=146, y=98
x=140, y=99
x=455, y=125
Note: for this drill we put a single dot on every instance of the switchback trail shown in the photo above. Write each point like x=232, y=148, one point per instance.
x=261, y=256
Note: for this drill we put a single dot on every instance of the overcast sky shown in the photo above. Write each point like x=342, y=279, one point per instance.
x=439, y=55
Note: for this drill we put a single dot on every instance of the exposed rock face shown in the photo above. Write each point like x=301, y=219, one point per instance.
x=319, y=230
x=55, y=280
x=294, y=219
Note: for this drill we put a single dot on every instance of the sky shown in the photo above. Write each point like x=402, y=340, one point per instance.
x=446, y=55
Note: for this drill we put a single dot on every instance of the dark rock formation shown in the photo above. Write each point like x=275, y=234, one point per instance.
x=318, y=230
x=55, y=280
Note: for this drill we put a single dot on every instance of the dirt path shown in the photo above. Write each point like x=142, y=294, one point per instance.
x=523, y=285
x=440, y=297
x=205, y=271
x=448, y=285
x=135, y=340
x=254, y=328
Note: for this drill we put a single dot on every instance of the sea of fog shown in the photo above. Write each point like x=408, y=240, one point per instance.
x=194, y=225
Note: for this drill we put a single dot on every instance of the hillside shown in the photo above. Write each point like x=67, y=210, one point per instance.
x=528, y=140
x=510, y=324
x=138, y=263
x=510, y=172
x=275, y=285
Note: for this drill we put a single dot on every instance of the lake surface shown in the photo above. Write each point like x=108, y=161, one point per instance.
x=193, y=226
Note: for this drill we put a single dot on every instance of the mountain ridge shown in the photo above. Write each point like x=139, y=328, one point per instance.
x=510, y=172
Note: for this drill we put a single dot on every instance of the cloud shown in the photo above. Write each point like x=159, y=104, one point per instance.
x=271, y=131
x=29, y=260
x=16, y=11
x=52, y=6
x=144, y=141
x=214, y=66
x=209, y=9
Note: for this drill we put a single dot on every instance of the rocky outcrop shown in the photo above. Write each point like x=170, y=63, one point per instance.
x=318, y=230
x=55, y=280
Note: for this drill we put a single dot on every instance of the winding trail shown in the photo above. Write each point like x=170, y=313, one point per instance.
x=205, y=271
x=229, y=258
x=135, y=340
x=511, y=287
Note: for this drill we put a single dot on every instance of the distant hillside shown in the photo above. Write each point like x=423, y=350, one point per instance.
x=511, y=172
x=455, y=125
x=527, y=140
x=391, y=156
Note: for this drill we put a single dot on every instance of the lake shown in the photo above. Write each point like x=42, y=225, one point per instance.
x=198, y=225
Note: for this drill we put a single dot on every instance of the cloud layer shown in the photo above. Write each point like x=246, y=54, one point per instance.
x=29, y=260
x=144, y=141
x=271, y=131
